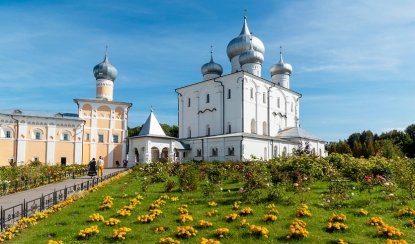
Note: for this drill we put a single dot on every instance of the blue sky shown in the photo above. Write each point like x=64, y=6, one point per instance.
x=353, y=61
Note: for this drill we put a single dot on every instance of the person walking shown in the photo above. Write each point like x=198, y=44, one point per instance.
x=92, y=168
x=100, y=164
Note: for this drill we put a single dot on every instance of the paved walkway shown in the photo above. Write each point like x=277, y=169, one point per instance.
x=18, y=197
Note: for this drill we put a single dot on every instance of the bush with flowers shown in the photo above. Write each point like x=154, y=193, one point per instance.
x=337, y=217
x=88, y=232
x=411, y=223
x=146, y=218
x=243, y=223
x=363, y=212
x=185, y=231
x=174, y=199
x=303, y=211
x=204, y=224
x=297, y=230
x=209, y=241
x=236, y=205
x=270, y=218
x=389, y=231
x=212, y=204
x=258, y=231
x=231, y=217
x=168, y=240
x=120, y=233
x=107, y=203
x=222, y=232
x=160, y=229
x=390, y=241
x=406, y=212
x=183, y=210
x=212, y=213
x=124, y=212
x=336, y=226
x=183, y=218
x=96, y=217
x=375, y=221
x=246, y=211
x=112, y=221
x=55, y=242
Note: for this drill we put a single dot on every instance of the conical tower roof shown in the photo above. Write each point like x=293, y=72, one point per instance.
x=151, y=127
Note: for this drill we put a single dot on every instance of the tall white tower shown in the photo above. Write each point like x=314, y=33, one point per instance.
x=105, y=74
x=242, y=43
x=280, y=72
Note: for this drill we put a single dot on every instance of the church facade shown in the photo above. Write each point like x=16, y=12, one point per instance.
x=236, y=116
x=98, y=129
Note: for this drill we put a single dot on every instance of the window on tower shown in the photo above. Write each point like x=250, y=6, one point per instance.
x=115, y=138
x=208, y=130
x=229, y=128
x=252, y=93
x=229, y=93
x=100, y=138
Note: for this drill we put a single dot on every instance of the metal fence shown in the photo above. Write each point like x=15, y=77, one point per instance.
x=9, y=216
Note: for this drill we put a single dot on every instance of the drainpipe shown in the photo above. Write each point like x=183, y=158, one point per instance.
x=17, y=137
x=268, y=108
x=242, y=100
x=178, y=107
x=223, y=105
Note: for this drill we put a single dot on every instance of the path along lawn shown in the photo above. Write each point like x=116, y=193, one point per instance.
x=66, y=224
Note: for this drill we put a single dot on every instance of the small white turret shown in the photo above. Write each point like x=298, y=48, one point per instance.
x=280, y=72
x=211, y=70
x=251, y=61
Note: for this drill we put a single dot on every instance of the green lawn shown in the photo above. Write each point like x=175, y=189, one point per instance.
x=66, y=224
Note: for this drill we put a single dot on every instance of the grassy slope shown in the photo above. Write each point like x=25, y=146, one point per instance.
x=66, y=224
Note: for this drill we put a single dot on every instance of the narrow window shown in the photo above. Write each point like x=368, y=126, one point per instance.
x=264, y=98
x=231, y=151
x=8, y=134
x=229, y=128
x=115, y=138
x=65, y=137
x=188, y=102
x=252, y=93
x=87, y=136
x=184, y=154
x=199, y=152
x=207, y=130
x=189, y=132
x=278, y=102
x=100, y=138
x=37, y=135
x=292, y=106
x=214, y=152
x=229, y=93
x=207, y=98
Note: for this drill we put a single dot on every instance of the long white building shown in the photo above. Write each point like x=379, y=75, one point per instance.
x=236, y=116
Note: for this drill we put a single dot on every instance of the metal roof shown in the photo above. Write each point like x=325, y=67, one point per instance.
x=296, y=132
x=151, y=127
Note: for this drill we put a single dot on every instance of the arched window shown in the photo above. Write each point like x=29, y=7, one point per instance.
x=189, y=132
x=275, y=151
x=155, y=154
x=252, y=93
x=188, y=102
x=284, y=151
x=253, y=126
x=199, y=153
x=65, y=136
x=207, y=98
x=6, y=132
x=229, y=94
x=214, y=152
x=265, y=153
x=319, y=151
x=208, y=130
x=278, y=102
x=231, y=151
x=264, y=98
x=229, y=128
x=264, y=128
x=137, y=155
x=37, y=134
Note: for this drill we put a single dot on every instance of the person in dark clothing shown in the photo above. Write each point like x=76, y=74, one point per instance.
x=92, y=168
x=124, y=163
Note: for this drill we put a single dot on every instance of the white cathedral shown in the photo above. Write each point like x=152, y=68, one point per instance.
x=231, y=117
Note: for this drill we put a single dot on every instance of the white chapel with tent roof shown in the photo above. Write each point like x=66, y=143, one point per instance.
x=233, y=117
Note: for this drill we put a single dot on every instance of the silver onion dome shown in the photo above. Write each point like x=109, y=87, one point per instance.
x=212, y=67
x=105, y=70
x=251, y=56
x=241, y=43
x=281, y=67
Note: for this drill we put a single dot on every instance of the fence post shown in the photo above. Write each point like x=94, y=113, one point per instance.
x=42, y=203
x=87, y=185
x=65, y=193
x=24, y=213
x=1, y=218
x=54, y=197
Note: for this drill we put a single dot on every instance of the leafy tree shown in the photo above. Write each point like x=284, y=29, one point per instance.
x=134, y=131
x=410, y=131
x=172, y=131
